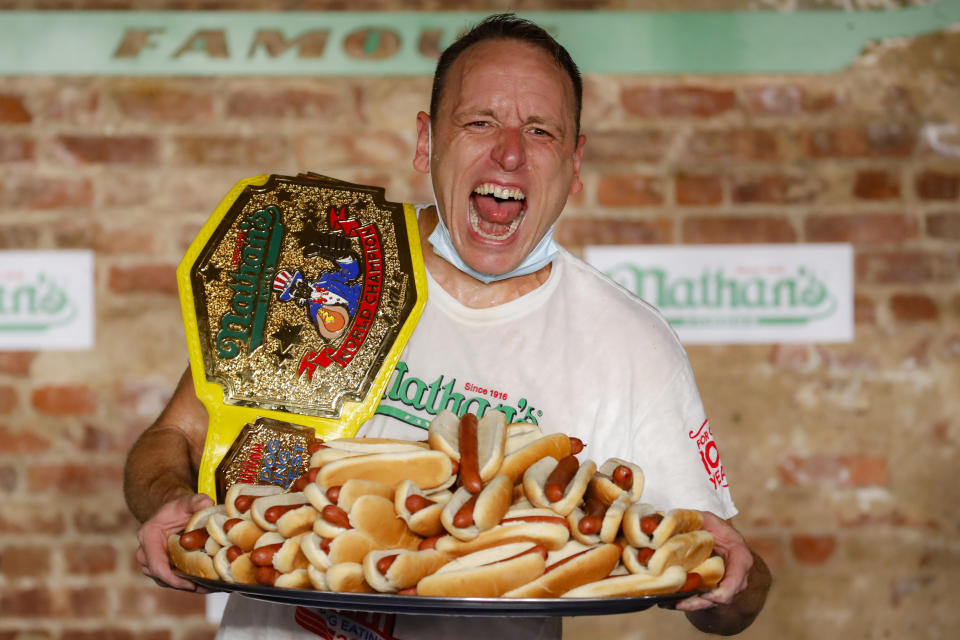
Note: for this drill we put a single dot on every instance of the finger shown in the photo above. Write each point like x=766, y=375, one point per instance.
x=694, y=603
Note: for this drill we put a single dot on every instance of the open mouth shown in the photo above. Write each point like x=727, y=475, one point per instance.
x=496, y=211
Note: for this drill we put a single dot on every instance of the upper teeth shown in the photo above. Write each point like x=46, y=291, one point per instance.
x=497, y=191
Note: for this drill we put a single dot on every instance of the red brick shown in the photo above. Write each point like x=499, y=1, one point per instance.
x=22, y=441
x=837, y=471
x=790, y=356
x=629, y=191
x=265, y=151
x=19, y=237
x=16, y=362
x=45, y=192
x=356, y=149
x=893, y=140
x=860, y=228
x=731, y=145
x=873, y=184
x=945, y=226
x=914, y=307
x=864, y=310
x=770, y=548
x=86, y=602
x=90, y=558
x=20, y=561
x=139, y=240
x=698, y=190
x=201, y=633
x=106, y=149
x=905, y=267
x=25, y=633
x=937, y=185
x=149, y=601
x=74, y=478
x=9, y=475
x=16, y=149
x=142, y=397
x=77, y=104
x=579, y=232
x=8, y=402
x=156, y=278
x=777, y=188
x=785, y=100
x=735, y=229
x=288, y=103
x=813, y=549
x=677, y=101
x=105, y=520
x=13, y=110
x=627, y=146
x=20, y=518
x=33, y=602
x=156, y=100
x=65, y=400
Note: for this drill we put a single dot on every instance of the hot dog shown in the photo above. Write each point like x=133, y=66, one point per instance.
x=571, y=567
x=539, y=526
x=488, y=573
x=392, y=570
x=518, y=460
x=428, y=469
x=323, y=553
x=419, y=511
x=490, y=506
x=246, y=494
x=195, y=556
x=482, y=462
x=598, y=523
x=710, y=572
x=541, y=474
x=238, y=570
x=633, y=585
x=288, y=513
x=686, y=550
x=614, y=477
x=644, y=526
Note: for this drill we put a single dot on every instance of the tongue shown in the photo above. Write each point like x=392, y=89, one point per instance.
x=500, y=211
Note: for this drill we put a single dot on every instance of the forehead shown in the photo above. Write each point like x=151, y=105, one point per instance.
x=492, y=67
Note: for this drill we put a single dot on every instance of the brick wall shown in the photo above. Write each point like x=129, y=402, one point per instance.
x=841, y=457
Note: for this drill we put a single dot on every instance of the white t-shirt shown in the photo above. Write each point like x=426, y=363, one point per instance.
x=578, y=355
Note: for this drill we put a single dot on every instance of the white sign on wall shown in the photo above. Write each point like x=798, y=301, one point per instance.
x=740, y=294
x=46, y=300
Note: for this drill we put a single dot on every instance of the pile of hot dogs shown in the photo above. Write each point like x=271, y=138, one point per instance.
x=482, y=509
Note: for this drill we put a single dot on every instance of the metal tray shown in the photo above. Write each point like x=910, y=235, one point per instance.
x=423, y=605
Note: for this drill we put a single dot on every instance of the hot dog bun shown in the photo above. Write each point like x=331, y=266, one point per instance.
x=291, y=522
x=610, y=525
x=491, y=505
x=488, y=573
x=347, y=577
x=517, y=461
x=426, y=521
x=428, y=469
x=406, y=570
x=535, y=479
x=375, y=517
x=552, y=534
x=195, y=563
x=244, y=489
x=604, y=487
x=580, y=566
x=686, y=550
x=491, y=439
x=633, y=585
x=711, y=571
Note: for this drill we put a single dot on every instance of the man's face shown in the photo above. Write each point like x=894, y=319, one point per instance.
x=505, y=151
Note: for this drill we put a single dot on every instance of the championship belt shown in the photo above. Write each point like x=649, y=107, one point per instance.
x=298, y=297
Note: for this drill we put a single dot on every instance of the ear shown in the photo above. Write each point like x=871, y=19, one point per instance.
x=421, y=159
x=575, y=185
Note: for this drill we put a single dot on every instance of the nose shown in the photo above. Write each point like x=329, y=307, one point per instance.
x=509, y=152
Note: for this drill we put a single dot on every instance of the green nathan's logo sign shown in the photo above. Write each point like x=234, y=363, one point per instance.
x=746, y=293
x=46, y=299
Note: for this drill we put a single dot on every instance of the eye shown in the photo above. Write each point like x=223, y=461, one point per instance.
x=539, y=132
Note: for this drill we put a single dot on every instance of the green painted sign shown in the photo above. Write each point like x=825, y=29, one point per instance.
x=208, y=43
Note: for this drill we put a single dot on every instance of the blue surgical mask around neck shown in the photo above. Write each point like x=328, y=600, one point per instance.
x=542, y=255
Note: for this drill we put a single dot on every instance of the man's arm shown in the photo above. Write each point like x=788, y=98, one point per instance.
x=160, y=477
x=738, y=599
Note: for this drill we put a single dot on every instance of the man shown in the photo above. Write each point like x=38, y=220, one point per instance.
x=510, y=318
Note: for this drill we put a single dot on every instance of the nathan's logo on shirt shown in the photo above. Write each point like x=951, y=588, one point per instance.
x=709, y=455
x=431, y=398
x=255, y=254
x=341, y=302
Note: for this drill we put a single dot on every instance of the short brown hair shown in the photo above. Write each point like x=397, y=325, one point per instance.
x=507, y=26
